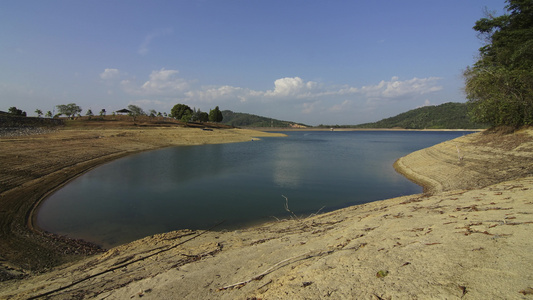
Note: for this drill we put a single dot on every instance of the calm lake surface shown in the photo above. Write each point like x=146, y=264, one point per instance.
x=197, y=186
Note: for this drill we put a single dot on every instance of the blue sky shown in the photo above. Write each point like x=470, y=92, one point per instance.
x=308, y=61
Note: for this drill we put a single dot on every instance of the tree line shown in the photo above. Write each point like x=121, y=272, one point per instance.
x=450, y=115
x=180, y=112
x=184, y=113
x=499, y=86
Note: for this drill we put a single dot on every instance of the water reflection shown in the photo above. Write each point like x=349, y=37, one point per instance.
x=288, y=165
x=197, y=186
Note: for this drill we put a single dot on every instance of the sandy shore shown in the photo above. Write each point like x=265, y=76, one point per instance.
x=468, y=237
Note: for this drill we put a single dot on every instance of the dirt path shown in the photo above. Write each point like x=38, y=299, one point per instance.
x=33, y=166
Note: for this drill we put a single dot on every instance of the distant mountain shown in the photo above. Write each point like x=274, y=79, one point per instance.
x=449, y=115
x=248, y=120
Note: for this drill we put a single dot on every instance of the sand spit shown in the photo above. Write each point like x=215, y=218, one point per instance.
x=456, y=242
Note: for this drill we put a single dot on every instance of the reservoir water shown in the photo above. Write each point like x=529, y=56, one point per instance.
x=195, y=187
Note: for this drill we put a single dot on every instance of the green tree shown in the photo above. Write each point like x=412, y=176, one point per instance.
x=102, y=112
x=135, y=111
x=89, y=113
x=69, y=110
x=202, y=116
x=215, y=115
x=199, y=116
x=39, y=112
x=186, y=117
x=15, y=111
x=180, y=110
x=48, y=114
x=499, y=86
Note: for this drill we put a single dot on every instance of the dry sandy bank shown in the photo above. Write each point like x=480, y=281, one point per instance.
x=456, y=243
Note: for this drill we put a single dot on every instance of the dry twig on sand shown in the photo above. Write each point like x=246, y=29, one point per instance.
x=277, y=266
x=294, y=216
x=290, y=260
x=459, y=156
x=292, y=213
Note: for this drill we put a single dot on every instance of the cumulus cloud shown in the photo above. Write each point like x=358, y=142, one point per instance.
x=164, y=80
x=209, y=94
x=294, y=96
x=348, y=90
x=161, y=82
x=396, y=88
x=291, y=86
x=110, y=74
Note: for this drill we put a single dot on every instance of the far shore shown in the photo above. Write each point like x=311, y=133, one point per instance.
x=467, y=237
x=275, y=129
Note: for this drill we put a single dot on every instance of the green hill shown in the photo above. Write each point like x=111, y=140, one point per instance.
x=249, y=120
x=449, y=115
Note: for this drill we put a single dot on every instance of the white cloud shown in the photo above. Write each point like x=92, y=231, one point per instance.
x=291, y=86
x=426, y=103
x=143, y=48
x=341, y=106
x=297, y=99
x=164, y=80
x=222, y=93
x=398, y=89
x=348, y=90
x=110, y=74
x=160, y=83
x=310, y=107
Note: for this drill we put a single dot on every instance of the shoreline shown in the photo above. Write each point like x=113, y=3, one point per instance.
x=43, y=163
x=468, y=237
x=32, y=214
x=470, y=162
x=275, y=129
x=428, y=185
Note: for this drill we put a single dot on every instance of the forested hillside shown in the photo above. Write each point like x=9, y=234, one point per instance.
x=449, y=115
x=249, y=120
